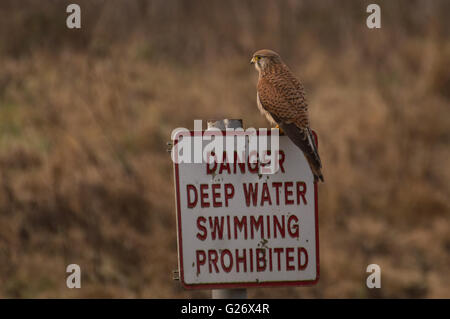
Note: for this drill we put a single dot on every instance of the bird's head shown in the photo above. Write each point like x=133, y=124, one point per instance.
x=264, y=58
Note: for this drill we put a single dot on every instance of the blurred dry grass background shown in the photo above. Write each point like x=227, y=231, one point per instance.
x=85, y=116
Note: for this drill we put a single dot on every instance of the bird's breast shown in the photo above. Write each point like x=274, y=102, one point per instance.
x=263, y=110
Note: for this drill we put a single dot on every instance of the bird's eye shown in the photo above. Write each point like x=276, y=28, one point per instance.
x=257, y=58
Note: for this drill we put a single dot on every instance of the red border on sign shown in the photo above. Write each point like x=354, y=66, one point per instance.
x=239, y=284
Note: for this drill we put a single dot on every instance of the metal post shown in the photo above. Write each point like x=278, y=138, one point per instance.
x=240, y=293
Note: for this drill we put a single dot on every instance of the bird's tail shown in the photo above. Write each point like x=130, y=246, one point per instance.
x=313, y=158
x=304, y=139
x=316, y=170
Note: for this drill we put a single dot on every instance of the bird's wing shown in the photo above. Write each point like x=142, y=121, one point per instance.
x=283, y=97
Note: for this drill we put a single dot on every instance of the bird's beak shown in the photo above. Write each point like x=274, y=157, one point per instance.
x=252, y=61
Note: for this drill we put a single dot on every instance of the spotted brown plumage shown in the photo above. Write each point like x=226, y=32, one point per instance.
x=281, y=98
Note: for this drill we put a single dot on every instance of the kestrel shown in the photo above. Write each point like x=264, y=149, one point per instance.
x=281, y=98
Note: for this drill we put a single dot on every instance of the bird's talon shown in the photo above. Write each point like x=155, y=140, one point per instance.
x=281, y=130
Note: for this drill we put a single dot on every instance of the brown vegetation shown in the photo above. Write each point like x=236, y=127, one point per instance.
x=85, y=116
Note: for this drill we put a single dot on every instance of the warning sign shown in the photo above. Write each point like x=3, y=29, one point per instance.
x=240, y=228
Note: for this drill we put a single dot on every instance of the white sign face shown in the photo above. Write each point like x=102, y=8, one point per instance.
x=239, y=228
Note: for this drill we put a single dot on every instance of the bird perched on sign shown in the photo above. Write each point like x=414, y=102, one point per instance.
x=281, y=98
